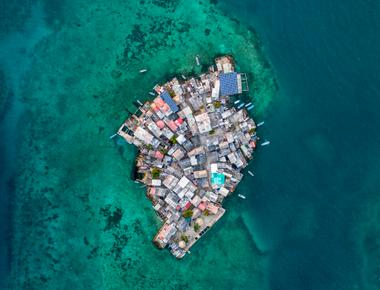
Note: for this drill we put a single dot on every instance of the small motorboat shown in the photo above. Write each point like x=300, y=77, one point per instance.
x=260, y=124
x=138, y=102
x=183, y=77
x=250, y=107
x=265, y=143
x=113, y=136
x=250, y=173
x=240, y=106
x=143, y=70
x=249, y=104
x=197, y=60
x=237, y=102
x=152, y=94
x=241, y=196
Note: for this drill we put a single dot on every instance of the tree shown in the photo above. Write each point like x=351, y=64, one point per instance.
x=173, y=140
x=217, y=104
x=164, y=151
x=149, y=146
x=185, y=238
x=196, y=227
x=156, y=172
x=212, y=132
x=187, y=213
x=251, y=131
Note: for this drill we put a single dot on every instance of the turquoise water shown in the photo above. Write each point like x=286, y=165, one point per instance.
x=72, y=216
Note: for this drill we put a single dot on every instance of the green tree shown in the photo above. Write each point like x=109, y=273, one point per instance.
x=196, y=227
x=187, y=213
x=185, y=238
x=173, y=140
x=156, y=173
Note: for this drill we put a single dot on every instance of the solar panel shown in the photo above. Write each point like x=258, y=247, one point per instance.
x=167, y=99
x=228, y=84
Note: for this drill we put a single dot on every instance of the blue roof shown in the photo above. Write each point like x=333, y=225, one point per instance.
x=168, y=99
x=228, y=84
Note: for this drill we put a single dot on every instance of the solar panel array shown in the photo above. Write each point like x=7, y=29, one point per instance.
x=168, y=99
x=228, y=84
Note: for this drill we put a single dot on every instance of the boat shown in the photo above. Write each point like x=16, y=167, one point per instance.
x=249, y=104
x=265, y=143
x=143, y=70
x=182, y=76
x=260, y=124
x=250, y=107
x=237, y=102
x=138, y=102
x=241, y=196
x=152, y=94
x=240, y=106
x=113, y=136
x=197, y=60
x=250, y=173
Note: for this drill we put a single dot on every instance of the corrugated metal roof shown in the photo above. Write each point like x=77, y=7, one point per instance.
x=228, y=84
x=168, y=100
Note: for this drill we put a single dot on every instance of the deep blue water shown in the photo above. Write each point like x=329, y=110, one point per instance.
x=316, y=181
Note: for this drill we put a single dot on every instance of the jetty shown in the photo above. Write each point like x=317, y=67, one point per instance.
x=193, y=144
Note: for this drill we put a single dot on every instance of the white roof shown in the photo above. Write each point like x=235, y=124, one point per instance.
x=156, y=182
x=181, y=139
x=214, y=167
x=143, y=135
x=183, y=181
x=223, y=191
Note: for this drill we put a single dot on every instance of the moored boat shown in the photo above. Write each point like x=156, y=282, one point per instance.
x=143, y=70
x=265, y=143
x=241, y=196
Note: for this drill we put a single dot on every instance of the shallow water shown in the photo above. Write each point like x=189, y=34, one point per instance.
x=310, y=220
x=78, y=219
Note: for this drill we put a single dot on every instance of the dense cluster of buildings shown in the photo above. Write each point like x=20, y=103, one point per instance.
x=193, y=142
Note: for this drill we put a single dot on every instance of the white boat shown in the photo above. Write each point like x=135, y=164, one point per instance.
x=237, y=102
x=247, y=105
x=240, y=106
x=241, y=196
x=182, y=76
x=265, y=143
x=139, y=102
x=113, y=136
x=250, y=107
x=260, y=124
x=152, y=94
x=250, y=173
x=143, y=70
x=197, y=60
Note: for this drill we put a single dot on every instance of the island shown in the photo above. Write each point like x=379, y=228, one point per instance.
x=193, y=139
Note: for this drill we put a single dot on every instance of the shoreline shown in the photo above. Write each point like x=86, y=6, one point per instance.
x=193, y=141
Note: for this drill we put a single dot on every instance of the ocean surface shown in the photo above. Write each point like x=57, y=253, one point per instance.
x=71, y=217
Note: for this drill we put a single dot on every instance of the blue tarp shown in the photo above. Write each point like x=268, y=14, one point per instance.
x=228, y=84
x=168, y=99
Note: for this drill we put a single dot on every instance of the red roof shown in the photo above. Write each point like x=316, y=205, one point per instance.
x=160, y=124
x=202, y=206
x=159, y=102
x=179, y=121
x=159, y=155
x=187, y=206
x=172, y=125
